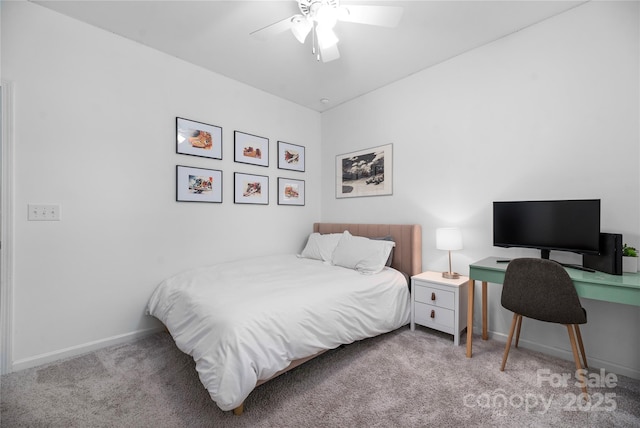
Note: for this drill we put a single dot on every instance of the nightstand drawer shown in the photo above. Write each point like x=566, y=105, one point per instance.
x=434, y=296
x=434, y=317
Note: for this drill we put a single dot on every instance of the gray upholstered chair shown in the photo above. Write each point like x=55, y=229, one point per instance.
x=542, y=289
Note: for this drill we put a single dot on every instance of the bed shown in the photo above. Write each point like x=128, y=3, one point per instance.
x=248, y=321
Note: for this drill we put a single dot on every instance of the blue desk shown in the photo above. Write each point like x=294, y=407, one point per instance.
x=623, y=289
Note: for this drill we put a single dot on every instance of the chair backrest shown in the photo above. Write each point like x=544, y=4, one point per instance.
x=541, y=289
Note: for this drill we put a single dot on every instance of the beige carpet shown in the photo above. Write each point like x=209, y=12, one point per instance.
x=401, y=379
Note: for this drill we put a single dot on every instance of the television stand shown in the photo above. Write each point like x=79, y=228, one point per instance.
x=582, y=268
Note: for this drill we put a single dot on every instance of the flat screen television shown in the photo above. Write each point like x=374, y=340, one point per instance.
x=563, y=225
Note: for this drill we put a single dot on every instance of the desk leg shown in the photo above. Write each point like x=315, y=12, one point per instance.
x=485, y=336
x=470, y=293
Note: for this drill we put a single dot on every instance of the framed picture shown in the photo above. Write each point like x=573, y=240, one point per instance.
x=251, y=149
x=251, y=189
x=198, y=184
x=290, y=156
x=290, y=192
x=365, y=173
x=198, y=139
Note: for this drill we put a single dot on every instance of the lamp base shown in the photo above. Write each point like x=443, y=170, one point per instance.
x=451, y=275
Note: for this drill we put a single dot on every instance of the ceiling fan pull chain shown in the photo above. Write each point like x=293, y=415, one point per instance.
x=314, y=44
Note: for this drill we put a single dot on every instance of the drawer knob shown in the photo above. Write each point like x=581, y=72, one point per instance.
x=433, y=313
x=433, y=296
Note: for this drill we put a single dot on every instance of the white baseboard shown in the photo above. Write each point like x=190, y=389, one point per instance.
x=77, y=350
x=84, y=348
x=567, y=355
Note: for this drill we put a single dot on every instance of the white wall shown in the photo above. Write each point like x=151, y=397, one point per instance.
x=550, y=112
x=95, y=132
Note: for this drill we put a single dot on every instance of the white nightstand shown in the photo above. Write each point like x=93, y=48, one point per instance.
x=437, y=303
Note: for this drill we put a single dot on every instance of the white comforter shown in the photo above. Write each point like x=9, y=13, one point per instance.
x=245, y=321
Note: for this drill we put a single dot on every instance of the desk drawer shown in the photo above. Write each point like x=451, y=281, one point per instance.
x=435, y=317
x=434, y=296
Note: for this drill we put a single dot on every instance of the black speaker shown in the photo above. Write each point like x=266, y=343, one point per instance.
x=610, y=258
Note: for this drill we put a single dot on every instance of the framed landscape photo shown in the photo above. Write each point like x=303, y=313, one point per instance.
x=251, y=189
x=365, y=173
x=290, y=156
x=251, y=149
x=198, y=139
x=198, y=184
x=290, y=191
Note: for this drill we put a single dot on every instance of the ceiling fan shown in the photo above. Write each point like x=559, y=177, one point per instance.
x=319, y=17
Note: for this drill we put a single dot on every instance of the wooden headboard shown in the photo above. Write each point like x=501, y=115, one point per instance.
x=407, y=254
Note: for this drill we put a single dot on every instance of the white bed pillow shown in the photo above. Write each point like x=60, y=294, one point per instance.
x=320, y=247
x=387, y=238
x=367, y=256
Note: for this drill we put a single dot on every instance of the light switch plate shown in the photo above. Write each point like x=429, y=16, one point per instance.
x=43, y=212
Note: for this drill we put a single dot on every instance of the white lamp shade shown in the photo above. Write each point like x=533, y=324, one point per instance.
x=448, y=238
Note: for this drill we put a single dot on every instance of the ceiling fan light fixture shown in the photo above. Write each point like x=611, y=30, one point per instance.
x=300, y=27
x=326, y=16
x=326, y=37
x=342, y=12
x=319, y=17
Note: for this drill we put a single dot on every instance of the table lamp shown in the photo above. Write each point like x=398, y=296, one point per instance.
x=449, y=238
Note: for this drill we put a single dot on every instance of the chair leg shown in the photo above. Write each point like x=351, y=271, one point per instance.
x=576, y=358
x=506, y=349
x=518, y=330
x=584, y=355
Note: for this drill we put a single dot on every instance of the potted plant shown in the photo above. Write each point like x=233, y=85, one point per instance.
x=629, y=259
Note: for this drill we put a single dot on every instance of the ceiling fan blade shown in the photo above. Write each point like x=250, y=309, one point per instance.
x=384, y=16
x=275, y=28
x=329, y=53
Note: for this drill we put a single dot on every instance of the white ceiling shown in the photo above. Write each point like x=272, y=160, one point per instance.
x=215, y=35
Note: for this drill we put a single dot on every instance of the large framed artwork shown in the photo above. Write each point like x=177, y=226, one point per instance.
x=251, y=189
x=290, y=156
x=198, y=184
x=251, y=149
x=290, y=191
x=198, y=139
x=366, y=172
